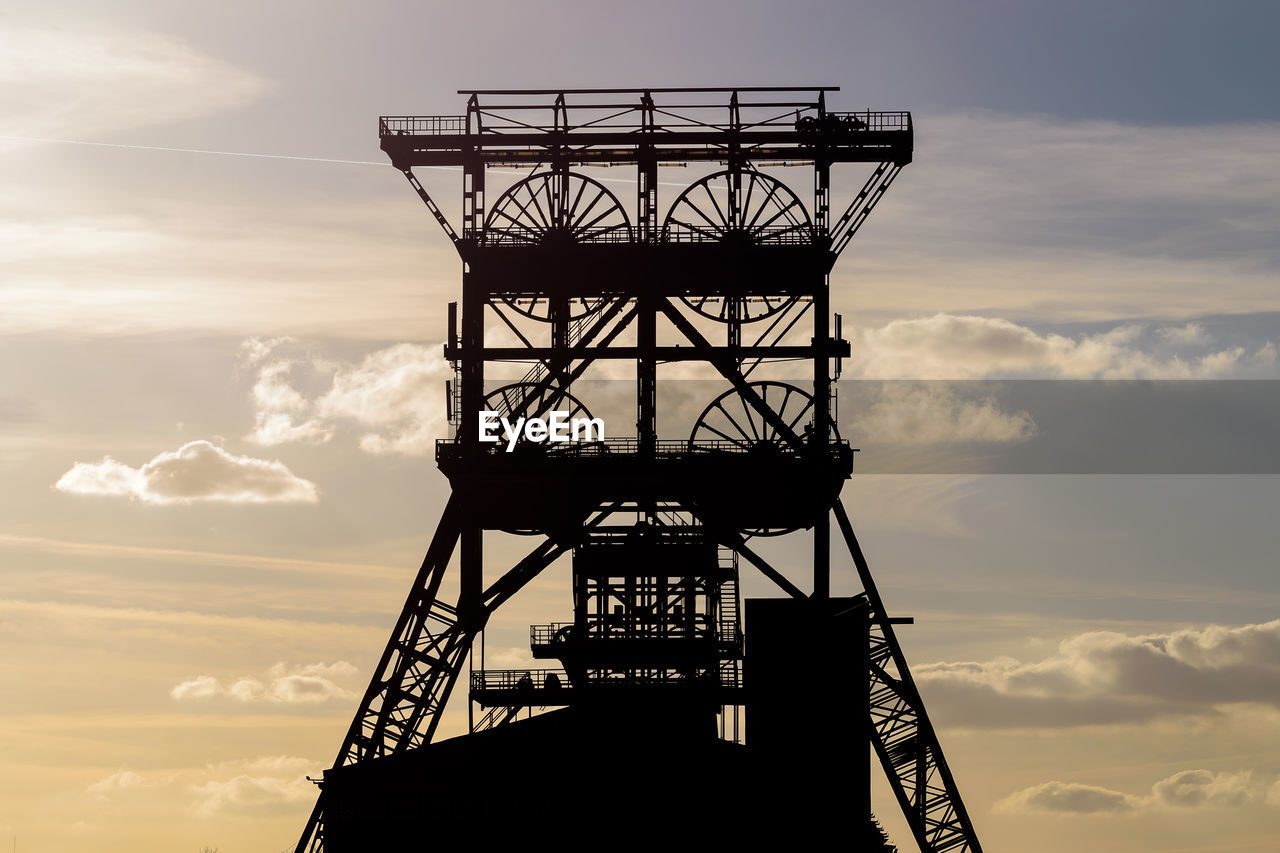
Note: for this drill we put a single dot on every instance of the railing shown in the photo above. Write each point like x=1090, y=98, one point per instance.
x=664, y=449
x=780, y=235
x=518, y=237
x=872, y=121
x=552, y=679
x=519, y=679
x=546, y=635
x=576, y=119
x=661, y=535
x=421, y=125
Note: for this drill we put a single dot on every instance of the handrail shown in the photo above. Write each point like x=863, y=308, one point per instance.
x=620, y=448
x=536, y=679
x=421, y=125
x=631, y=118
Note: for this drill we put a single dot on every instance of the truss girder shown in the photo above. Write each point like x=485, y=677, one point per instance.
x=861, y=206
x=431, y=205
x=901, y=733
x=419, y=668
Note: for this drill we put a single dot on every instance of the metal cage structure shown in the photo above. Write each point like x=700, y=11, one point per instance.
x=730, y=272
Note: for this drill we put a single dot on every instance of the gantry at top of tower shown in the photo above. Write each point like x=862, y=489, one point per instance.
x=675, y=125
x=742, y=128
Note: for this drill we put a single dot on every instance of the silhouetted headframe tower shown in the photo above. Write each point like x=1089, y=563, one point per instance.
x=730, y=274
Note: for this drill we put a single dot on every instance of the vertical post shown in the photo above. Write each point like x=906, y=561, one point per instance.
x=647, y=375
x=472, y=180
x=472, y=374
x=820, y=437
x=822, y=556
x=475, y=288
x=822, y=197
x=647, y=179
x=471, y=575
x=648, y=187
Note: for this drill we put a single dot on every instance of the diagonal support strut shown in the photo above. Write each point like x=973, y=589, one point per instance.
x=901, y=733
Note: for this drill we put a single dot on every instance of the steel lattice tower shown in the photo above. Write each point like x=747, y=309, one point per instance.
x=656, y=525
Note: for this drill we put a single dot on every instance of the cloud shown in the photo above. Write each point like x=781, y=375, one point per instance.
x=308, y=684
x=1108, y=677
x=247, y=796
x=1067, y=218
x=1183, y=790
x=394, y=398
x=337, y=669
x=1067, y=798
x=1191, y=333
x=1192, y=788
x=117, y=782
x=57, y=81
x=933, y=414
x=288, y=765
x=949, y=346
x=252, y=787
x=200, y=687
x=197, y=471
x=306, y=688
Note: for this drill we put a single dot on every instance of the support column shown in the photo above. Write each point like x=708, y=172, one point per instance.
x=647, y=375
x=471, y=576
x=820, y=437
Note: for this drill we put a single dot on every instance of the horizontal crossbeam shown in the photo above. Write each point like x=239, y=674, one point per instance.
x=838, y=349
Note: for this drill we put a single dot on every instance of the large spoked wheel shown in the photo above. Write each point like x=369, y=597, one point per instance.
x=533, y=400
x=555, y=208
x=744, y=207
x=539, y=307
x=730, y=423
x=741, y=309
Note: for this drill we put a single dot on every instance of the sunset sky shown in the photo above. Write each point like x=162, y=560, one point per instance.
x=220, y=379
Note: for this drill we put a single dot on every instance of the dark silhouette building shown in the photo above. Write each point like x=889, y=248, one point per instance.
x=664, y=714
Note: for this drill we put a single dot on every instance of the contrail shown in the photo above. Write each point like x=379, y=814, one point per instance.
x=278, y=156
x=193, y=150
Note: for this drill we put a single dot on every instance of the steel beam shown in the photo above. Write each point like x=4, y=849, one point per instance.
x=901, y=733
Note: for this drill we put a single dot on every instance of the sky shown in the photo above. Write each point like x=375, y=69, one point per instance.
x=220, y=379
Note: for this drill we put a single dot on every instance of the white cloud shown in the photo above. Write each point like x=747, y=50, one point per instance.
x=307, y=684
x=1192, y=788
x=1067, y=798
x=115, y=783
x=1182, y=790
x=1074, y=219
x=1108, y=677
x=394, y=398
x=252, y=787
x=56, y=81
x=245, y=689
x=200, y=687
x=948, y=346
x=306, y=689
x=286, y=765
x=932, y=414
x=246, y=795
x=337, y=669
x=1191, y=333
x=197, y=471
